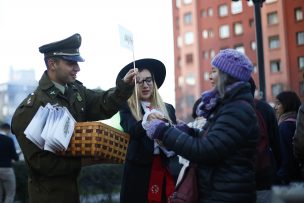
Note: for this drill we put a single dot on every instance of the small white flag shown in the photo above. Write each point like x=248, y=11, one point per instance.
x=126, y=38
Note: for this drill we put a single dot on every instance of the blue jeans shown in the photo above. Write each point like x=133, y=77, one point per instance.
x=7, y=185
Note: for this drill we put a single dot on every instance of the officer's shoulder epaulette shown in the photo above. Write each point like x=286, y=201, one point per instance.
x=29, y=100
x=78, y=82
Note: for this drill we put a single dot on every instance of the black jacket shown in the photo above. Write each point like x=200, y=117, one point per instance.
x=137, y=168
x=225, y=156
x=7, y=151
x=266, y=177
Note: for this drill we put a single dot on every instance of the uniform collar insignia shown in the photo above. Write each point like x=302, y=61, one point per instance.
x=79, y=98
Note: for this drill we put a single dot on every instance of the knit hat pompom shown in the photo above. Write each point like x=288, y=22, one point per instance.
x=234, y=63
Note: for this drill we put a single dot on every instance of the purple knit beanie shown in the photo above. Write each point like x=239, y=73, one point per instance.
x=234, y=63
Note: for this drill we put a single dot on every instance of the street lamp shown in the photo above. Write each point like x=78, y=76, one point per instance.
x=259, y=41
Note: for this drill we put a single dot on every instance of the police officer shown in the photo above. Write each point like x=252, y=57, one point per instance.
x=53, y=178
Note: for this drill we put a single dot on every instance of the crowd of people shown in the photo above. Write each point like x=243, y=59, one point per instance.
x=223, y=139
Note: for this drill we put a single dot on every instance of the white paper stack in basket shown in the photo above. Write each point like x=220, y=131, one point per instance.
x=98, y=140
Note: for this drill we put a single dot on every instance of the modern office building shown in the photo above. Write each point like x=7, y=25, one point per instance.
x=20, y=84
x=203, y=27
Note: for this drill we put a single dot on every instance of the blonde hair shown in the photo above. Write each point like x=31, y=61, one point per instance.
x=156, y=102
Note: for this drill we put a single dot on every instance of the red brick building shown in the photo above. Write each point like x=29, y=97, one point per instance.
x=203, y=27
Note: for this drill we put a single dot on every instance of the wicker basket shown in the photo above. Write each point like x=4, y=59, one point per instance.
x=99, y=140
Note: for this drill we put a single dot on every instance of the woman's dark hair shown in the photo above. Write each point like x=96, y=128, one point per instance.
x=289, y=100
x=195, y=105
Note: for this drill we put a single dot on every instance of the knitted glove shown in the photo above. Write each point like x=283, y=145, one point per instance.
x=154, y=129
x=183, y=127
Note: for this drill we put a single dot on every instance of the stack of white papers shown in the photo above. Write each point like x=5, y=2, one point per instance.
x=51, y=128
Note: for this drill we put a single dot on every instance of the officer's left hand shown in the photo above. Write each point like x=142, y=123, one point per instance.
x=130, y=76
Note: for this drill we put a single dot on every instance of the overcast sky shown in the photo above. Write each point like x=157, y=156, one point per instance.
x=27, y=24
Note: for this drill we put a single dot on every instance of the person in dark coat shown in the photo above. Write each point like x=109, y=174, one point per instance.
x=147, y=161
x=7, y=174
x=53, y=178
x=298, y=140
x=267, y=176
x=286, y=106
x=225, y=149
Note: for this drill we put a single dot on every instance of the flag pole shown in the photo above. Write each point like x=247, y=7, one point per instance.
x=126, y=40
x=136, y=95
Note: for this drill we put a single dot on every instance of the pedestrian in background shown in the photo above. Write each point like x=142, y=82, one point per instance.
x=287, y=104
x=268, y=147
x=7, y=175
x=298, y=139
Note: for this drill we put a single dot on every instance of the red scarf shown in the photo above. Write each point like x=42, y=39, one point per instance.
x=158, y=174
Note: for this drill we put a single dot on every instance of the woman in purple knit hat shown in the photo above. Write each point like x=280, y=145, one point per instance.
x=225, y=148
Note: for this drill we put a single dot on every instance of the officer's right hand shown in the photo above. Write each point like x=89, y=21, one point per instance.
x=130, y=76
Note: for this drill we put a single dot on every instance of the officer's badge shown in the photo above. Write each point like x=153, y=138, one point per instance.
x=79, y=98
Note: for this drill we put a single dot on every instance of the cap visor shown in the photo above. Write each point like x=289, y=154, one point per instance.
x=73, y=58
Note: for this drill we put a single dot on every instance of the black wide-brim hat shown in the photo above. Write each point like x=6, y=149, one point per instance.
x=156, y=67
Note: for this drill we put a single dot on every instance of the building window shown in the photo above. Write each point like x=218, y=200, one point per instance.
x=255, y=68
x=224, y=31
x=205, y=34
x=223, y=10
x=272, y=18
x=178, y=3
x=190, y=79
x=179, y=41
x=206, y=76
x=300, y=38
x=180, y=81
x=274, y=42
x=301, y=62
x=251, y=23
x=298, y=14
x=190, y=100
x=179, y=62
x=189, y=58
x=238, y=28
x=203, y=13
x=276, y=89
x=210, y=12
x=240, y=48
x=253, y=45
x=188, y=18
x=212, y=53
x=302, y=88
x=189, y=38
x=205, y=54
x=187, y=2
x=236, y=7
x=211, y=33
x=270, y=1
x=275, y=66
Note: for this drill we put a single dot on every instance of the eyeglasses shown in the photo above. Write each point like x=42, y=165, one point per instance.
x=148, y=80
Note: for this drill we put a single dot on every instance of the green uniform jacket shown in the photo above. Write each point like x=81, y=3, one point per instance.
x=53, y=178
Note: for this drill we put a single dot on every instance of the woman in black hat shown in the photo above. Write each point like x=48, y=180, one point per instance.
x=145, y=168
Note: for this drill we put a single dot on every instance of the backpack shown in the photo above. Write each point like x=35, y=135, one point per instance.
x=263, y=160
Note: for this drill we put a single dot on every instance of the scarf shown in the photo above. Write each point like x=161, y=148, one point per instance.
x=288, y=116
x=210, y=99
